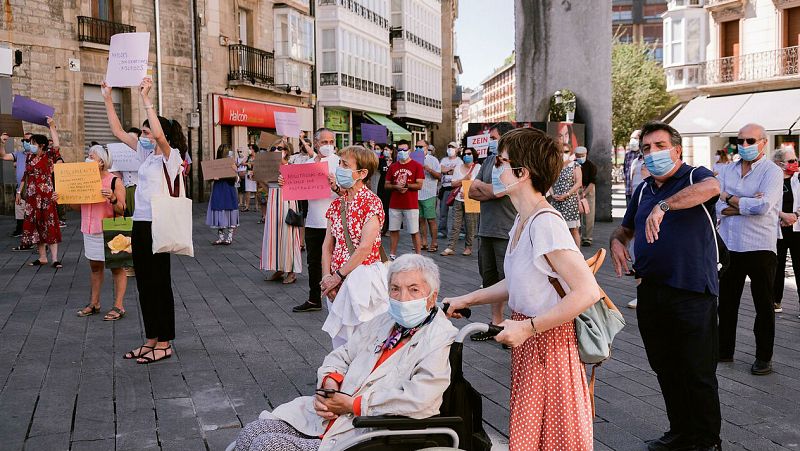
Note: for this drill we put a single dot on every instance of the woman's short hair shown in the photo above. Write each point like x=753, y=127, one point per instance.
x=535, y=151
x=780, y=154
x=102, y=154
x=472, y=151
x=365, y=159
x=416, y=262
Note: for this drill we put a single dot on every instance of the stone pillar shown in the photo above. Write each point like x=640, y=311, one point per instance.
x=566, y=44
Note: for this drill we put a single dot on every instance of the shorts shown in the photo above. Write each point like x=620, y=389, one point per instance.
x=94, y=246
x=408, y=217
x=427, y=208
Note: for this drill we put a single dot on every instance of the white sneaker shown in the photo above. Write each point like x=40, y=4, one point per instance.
x=633, y=303
x=777, y=308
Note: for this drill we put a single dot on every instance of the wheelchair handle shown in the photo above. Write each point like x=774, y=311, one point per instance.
x=465, y=312
x=495, y=329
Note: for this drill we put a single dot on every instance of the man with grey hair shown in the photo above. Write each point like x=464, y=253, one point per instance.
x=748, y=209
x=316, y=224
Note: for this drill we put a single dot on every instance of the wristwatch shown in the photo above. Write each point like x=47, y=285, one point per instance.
x=339, y=273
x=663, y=205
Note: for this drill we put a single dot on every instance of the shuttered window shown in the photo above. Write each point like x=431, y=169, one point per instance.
x=95, y=120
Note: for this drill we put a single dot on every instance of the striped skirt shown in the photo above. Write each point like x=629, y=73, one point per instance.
x=550, y=405
x=280, y=247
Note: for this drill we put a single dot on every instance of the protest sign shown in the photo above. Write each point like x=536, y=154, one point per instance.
x=218, y=169
x=29, y=110
x=266, y=165
x=11, y=125
x=286, y=124
x=480, y=143
x=123, y=158
x=470, y=205
x=266, y=140
x=78, y=183
x=305, y=181
x=128, y=55
x=418, y=156
x=376, y=133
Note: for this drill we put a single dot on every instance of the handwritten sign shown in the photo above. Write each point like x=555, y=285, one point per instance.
x=222, y=168
x=78, y=183
x=266, y=140
x=480, y=143
x=266, y=166
x=123, y=158
x=305, y=181
x=128, y=56
x=29, y=110
x=10, y=125
x=286, y=124
x=470, y=205
x=372, y=132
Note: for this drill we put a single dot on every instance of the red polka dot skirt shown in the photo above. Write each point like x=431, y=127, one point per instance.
x=550, y=405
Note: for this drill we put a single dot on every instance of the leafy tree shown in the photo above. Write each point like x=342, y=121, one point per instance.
x=638, y=89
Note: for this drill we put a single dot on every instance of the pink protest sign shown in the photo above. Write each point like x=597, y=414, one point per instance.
x=305, y=181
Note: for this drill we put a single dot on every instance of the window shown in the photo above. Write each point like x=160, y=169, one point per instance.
x=791, y=27
x=294, y=35
x=245, y=18
x=103, y=9
x=328, y=46
x=676, y=43
x=729, y=38
x=693, y=34
x=293, y=73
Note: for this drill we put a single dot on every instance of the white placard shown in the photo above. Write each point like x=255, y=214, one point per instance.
x=480, y=143
x=287, y=125
x=127, y=59
x=123, y=158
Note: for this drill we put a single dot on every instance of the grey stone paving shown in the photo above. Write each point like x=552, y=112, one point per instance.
x=240, y=350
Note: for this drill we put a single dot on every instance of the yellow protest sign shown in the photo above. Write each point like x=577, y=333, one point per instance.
x=78, y=183
x=470, y=205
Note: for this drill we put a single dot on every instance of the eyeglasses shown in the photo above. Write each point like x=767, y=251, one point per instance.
x=749, y=141
x=273, y=148
x=791, y=161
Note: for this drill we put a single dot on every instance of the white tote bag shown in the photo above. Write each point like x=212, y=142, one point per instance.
x=172, y=218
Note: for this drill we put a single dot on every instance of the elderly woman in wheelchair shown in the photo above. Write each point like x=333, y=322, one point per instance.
x=396, y=364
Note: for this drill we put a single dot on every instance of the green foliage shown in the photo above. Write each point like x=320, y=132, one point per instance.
x=638, y=89
x=558, y=111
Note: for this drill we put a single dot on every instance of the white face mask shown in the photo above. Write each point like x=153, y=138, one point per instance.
x=568, y=157
x=326, y=150
x=451, y=152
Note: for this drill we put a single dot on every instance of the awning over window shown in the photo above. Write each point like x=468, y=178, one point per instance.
x=707, y=116
x=777, y=111
x=398, y=132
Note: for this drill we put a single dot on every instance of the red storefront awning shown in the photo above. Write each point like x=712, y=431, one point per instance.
x=249, y=114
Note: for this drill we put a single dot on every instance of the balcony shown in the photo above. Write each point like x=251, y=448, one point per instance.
x=403, y=96
x=722, y=10
x=250, y=65
x=100, y=31
x=752, y=67
x=359, y=9
x=348, y=81
x=399, y=33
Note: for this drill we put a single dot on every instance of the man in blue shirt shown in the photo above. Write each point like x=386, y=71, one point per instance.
x=18, y=157
x=671, y=216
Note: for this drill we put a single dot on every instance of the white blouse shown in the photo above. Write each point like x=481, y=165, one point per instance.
x=527, y=271
x=151, y=181
x=460, y=173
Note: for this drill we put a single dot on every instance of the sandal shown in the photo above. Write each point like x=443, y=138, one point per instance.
x=132, y=354
x=144, y=360
x=276, y=276
x=114, y=314
x=21, y=249
x=57, y=265
x=217, y=243
x=433, y=248
x=37, y=263
x=92, y=310
x=291, y=278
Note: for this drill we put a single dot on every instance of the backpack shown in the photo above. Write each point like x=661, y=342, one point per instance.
x=597, y=326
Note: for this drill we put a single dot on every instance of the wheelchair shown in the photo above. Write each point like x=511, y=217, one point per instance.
x=458, y=427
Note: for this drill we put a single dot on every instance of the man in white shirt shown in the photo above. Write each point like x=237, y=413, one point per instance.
x=448, y=165
x=427, y=197
x=316, y=224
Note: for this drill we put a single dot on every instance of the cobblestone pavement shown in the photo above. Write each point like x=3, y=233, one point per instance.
x=240, y=349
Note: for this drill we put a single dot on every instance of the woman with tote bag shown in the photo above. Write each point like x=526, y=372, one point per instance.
x=162, y=163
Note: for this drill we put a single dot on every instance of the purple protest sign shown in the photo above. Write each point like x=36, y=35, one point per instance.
x=371, y=132
x=29, y=110
x=418, y=156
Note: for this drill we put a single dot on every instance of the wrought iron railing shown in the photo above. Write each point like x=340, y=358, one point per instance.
x=357, y=8
x=753, y=66
x=100, y=31
x=348, y=81
x=251, y=64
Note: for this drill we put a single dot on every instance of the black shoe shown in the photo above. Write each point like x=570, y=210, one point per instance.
x=670, y=441
x=482, y=336
x=707, y=448
x=761, y=368
x=15, y=234
x=586, y=244
x=307, y=306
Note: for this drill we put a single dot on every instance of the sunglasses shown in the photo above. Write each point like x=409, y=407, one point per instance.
x=277, y=148
x=791, y=161
x=749, y=141
x=328, y=392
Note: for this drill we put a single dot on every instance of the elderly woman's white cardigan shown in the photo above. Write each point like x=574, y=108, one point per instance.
x=409, y=383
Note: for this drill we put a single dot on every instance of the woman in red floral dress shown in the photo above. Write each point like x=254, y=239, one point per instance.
x=354, y=278
x=41, y=217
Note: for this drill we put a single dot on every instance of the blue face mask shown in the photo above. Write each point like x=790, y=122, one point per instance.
x=147, y=144
x=498, y=186
x=33, y=148
x=26, y=146
x=748, y=153
x=419, y=148
x=402, y=155
x=492, y=149
x=409, y=313
x=468, y=159
x=581, y=160
x=659, y=162
x=344, y=178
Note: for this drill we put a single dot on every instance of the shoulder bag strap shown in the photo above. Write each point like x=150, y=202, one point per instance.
x=553, y=281
x=710, y=221
x=176, y=190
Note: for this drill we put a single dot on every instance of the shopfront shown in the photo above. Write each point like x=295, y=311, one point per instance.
x=338, y=121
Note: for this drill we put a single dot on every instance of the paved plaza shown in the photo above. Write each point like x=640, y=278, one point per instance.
x=240, y=350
